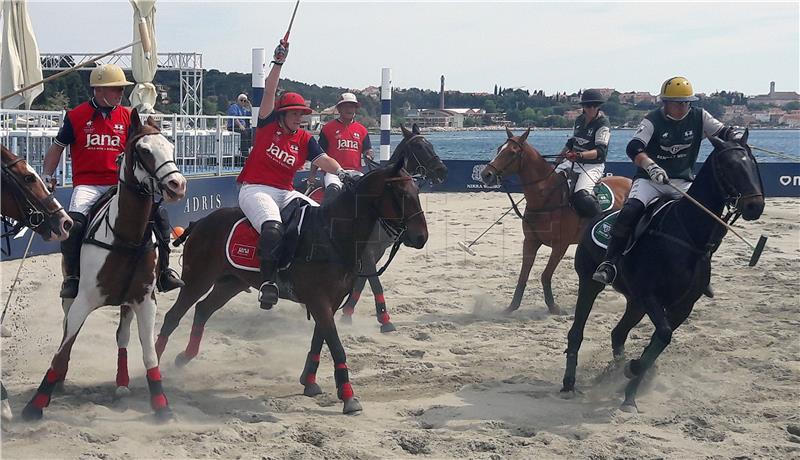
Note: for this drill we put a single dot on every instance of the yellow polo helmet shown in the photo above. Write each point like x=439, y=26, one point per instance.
x=677, y=89
x=108, y=75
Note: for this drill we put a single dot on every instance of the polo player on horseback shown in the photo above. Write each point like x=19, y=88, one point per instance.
x=280, y=149
x=665, y=148
x=585, y=153
x=97, y=132
x=344, y=139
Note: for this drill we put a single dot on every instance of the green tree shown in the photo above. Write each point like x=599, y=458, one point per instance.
x=794, y=105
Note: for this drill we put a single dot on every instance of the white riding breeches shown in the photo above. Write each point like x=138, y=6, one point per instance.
x=262, y=203
x=84, y=196
x=329, y=178
x=588, y=174
x=645, y=190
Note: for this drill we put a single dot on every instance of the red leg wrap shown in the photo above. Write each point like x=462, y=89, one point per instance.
x=384, y=318
x=122, y=368
x=158, y=401
x=311, y=379
x=379, y=298
x=53, y=376
x=346, y=392
x=194, y=341
x=154, y=374
x=40, y=401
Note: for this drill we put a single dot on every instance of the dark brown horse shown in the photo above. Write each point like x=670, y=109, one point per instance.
x=118, y=262
x=548, y=218
x=26, y=200
x=424, y=165
x=322, y=273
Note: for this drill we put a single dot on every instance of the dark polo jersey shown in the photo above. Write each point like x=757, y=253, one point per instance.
x=590, y=136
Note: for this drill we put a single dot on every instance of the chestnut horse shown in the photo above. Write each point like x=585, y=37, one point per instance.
x=118, y=262
x=548, y=219
x=26, y=200
x=323, y=270
x=424, y=165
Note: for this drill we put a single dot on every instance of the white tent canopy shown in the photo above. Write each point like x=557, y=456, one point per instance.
x=143, y=96
x=19, y=61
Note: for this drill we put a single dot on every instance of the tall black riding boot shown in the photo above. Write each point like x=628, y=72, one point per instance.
x=168, y=278
x=269, y=246
x=630, y=213
x=71, y=252
x=331, y=191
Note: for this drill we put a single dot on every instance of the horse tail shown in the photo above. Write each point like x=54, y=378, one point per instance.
x=182, y=239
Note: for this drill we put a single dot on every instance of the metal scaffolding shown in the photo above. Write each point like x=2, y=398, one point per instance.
x=189, y=65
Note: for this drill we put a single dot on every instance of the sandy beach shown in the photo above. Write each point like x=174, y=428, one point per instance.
x=458, y=379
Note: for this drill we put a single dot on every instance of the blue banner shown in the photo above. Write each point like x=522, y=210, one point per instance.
x=207, y=194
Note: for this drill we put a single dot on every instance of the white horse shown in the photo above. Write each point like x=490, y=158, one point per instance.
x=118, y=262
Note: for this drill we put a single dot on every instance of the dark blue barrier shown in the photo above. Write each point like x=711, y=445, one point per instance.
x=206, y=194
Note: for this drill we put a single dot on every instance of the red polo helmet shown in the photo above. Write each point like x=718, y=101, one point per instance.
x=292, y=101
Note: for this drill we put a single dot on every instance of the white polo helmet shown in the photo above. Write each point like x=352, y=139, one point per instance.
x=108, y=75
x=346, y=98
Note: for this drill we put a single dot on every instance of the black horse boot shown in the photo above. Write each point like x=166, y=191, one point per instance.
x=269, y=250
x=631, y=211
x=71, y=252
x=168, y=278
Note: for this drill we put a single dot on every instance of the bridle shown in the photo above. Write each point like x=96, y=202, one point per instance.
x=421, y=172
x=155, y=184
x=34, y=211
x=732, y=196
x=519, y=156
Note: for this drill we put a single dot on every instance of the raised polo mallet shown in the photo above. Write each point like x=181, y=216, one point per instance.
x=758, y=248
x=468, y=247
x=286, y=37
x=144, y=41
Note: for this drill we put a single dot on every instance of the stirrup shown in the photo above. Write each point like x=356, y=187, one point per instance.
x=69, y=288
x=268, y=295
x=606, y=273
x=169, y=280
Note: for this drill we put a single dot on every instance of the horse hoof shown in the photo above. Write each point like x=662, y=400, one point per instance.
x=312, y=390
x=347, y=319
x=121, y=392
x=567, y=393
x=629, y=407
x=351, y=406
x=5, y=412
x=164, y=414
x=388, y=327
x=618, y=354
x=511, y=309
x=182, y=359
x=554, y=309
x=32, y=413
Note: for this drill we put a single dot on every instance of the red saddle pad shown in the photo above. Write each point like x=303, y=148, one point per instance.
x=242, y=245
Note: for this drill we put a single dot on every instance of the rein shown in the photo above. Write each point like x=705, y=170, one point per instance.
x=34, y=212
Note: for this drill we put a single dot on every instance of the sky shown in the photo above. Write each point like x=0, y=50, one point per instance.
x=561, y=46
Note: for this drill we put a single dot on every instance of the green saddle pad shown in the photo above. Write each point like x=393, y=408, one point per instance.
x=601, y=232
x=605, y=196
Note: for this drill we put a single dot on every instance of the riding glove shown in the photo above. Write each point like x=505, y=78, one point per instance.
x=657, y=173
x=281, y=51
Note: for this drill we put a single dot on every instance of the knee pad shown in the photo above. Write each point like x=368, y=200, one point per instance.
x=585, y=204
x=630, y=213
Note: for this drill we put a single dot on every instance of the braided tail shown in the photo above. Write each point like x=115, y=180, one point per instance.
x=182, y=239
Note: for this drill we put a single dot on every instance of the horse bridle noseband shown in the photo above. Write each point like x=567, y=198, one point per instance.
x=519, y=156
x=427, y=166
x=732, y=197
x=34, y=211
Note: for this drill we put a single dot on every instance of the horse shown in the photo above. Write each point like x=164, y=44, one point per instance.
x=118, y=263
x=548, y=219
x=681, y=237
x=28, y=202
x=322, y=272
x=424, y=164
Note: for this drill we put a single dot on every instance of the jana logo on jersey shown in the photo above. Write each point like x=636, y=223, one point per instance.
x=102, y=140
x=347, y=144
x=283, y=155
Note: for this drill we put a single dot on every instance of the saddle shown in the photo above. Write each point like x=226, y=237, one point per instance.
x=241, y=246
x=604, y=194
x=601, y=231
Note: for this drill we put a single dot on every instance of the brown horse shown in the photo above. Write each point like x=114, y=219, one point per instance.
x=323, y=270
x=118, y=262
x=26, y=199
x=548, y=218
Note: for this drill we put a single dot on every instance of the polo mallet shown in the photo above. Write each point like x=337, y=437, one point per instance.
x=468, y=247
x=777, y=154
x=758, y=248
x=144, y=41
x=286, y=36
x=16, y=279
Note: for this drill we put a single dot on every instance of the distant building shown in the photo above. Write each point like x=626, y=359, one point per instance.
x=430, y=118
x=571, y=115
x=637, y=97
x=776, y=98
x=791, y=119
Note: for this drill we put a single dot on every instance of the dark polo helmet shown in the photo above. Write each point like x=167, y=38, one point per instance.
x=592, y=96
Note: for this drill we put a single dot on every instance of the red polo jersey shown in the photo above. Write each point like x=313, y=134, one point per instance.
x=277, y=155
x=345, y=143
x=96, y=136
